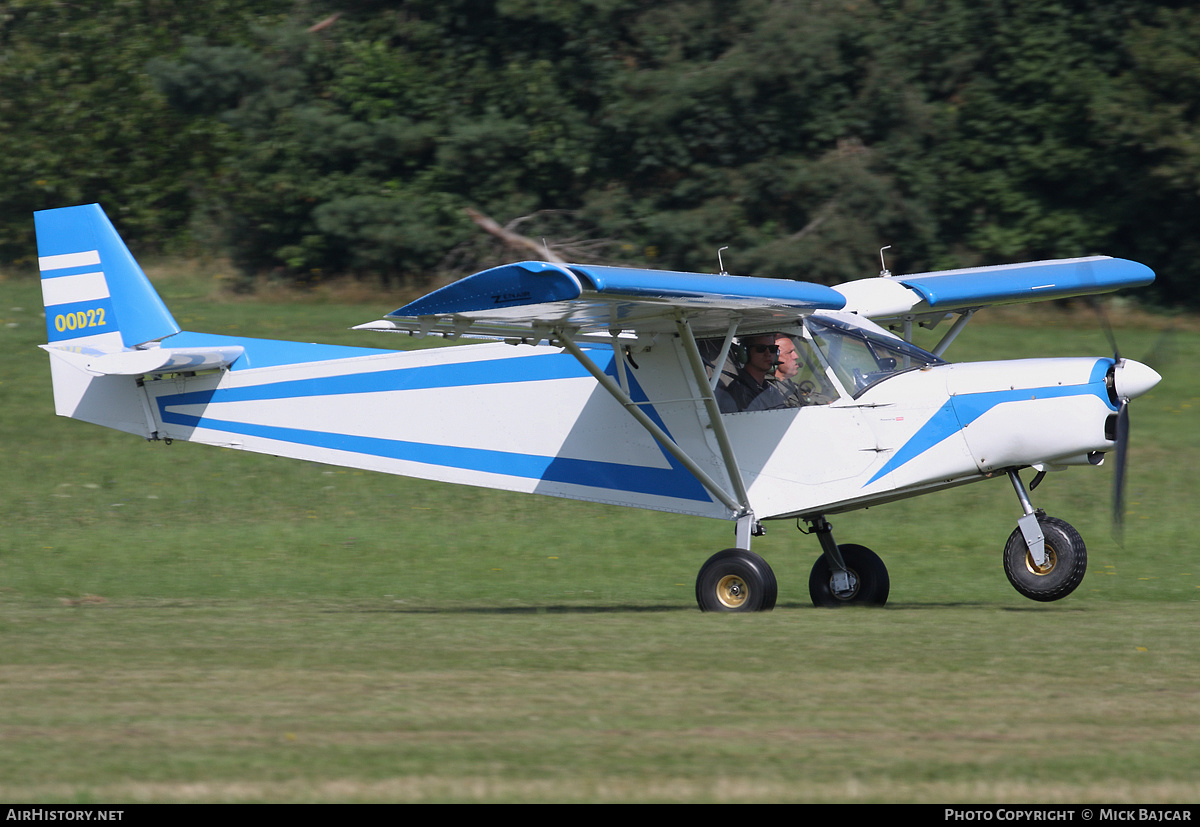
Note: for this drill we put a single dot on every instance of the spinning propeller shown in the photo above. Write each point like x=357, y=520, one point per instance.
x=1126, y=379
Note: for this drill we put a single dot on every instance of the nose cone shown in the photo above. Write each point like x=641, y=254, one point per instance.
x=1132, y=379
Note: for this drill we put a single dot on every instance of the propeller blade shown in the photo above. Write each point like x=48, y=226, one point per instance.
x=1122, y=440
x=1162, y=351
x=1106, y=326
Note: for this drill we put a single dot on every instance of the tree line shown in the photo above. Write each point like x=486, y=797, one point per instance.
x=317, y=139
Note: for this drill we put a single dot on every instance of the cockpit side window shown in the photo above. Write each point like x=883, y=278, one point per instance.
x=768, y=371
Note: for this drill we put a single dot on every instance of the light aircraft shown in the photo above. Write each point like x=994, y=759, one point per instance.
x=609, y=384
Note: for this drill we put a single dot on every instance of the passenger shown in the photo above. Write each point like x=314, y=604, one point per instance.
x=787, y=367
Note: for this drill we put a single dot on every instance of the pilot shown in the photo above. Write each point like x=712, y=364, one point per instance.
x=755, y=388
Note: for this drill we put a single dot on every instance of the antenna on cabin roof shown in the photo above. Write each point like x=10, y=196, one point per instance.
x=884, y=272
x=721, y=263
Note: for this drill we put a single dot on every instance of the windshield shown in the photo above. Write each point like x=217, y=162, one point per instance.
x=861, y=357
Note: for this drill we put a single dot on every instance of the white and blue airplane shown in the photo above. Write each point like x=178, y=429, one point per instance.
x=612, y=385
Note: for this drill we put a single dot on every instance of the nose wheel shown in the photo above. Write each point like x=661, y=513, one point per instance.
x=1062, y=567
x=1045, y=558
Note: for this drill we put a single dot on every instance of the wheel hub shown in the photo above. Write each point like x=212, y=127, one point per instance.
x=1047, y=565
x=843, y=584
x=732, y=591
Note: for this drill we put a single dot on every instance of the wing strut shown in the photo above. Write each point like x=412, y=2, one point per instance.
x=646, y=422
x=714, y=412
x=722, y=356
x=746, y=524
x=953, y=332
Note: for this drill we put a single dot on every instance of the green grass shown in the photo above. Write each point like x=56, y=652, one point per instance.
x=191, y=624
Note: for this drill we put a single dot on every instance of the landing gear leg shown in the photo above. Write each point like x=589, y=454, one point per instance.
x=847, y=574
x=745, y=528
x=1028, y=524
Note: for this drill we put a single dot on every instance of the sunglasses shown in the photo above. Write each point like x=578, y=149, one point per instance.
x=763, y=348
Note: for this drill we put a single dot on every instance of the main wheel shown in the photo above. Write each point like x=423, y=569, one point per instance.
x=736, y=580
x=869, y=583
x=1062, y=569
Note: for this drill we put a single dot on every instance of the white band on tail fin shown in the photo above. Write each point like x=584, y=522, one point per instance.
x=78, y=305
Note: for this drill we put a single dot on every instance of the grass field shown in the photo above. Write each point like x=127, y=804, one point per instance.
x=192, y=624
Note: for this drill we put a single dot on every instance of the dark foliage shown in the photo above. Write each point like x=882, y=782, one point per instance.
x=318, y=139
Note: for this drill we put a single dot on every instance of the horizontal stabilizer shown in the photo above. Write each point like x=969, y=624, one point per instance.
x=155, y=360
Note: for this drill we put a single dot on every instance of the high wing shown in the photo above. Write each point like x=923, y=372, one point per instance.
x=892, y=297
x=529, y=298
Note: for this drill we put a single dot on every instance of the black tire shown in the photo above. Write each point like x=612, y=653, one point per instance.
x=736, y=580
x=869, y=577
x=1064, y=566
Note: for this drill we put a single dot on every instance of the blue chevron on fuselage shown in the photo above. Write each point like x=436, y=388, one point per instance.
x=213, y=409
x=961, y=410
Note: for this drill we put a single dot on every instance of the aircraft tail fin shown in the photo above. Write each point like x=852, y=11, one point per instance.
x=99, y=308
x=107, y=327
x=95, y=293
